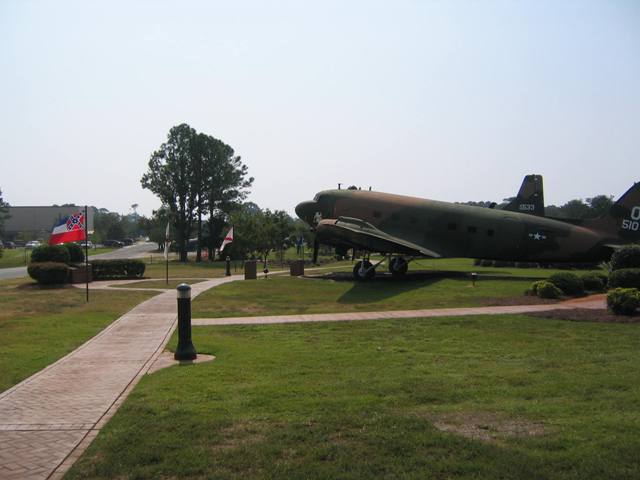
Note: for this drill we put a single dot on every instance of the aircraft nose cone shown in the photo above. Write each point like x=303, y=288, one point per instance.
x=306, y=211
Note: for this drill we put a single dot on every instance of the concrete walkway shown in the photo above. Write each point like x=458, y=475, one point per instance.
x=591, y=302
x=47, y=420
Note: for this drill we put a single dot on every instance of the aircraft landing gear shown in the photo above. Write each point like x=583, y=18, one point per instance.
x=398, y=266
x=363, y=270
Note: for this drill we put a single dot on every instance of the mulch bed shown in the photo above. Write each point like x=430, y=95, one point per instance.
x=587, y=315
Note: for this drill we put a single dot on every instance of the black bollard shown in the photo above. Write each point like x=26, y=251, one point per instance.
x=474, y=277
x=185, y=350
x=228, y=273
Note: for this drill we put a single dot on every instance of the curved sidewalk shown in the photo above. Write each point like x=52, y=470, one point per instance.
x=593, y=302
x=47, y=420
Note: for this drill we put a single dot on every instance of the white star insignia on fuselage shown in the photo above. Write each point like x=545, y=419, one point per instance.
x=537, y=236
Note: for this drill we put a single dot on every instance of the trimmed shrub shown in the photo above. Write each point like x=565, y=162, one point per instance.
x=594, y=281
x=117, y=269
x=535, y=286
x=623, y=301
x=47, y=273
x=76, y=252
x=625, y=278
x=50, y=253
x=547, y=290
x=569, y=283
x=627, y=257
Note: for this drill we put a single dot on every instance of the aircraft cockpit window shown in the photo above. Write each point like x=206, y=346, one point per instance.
x=316, y=198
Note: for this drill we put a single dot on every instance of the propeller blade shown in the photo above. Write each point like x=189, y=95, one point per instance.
x=316, y=248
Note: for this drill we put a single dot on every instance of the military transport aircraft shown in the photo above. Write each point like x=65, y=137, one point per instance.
x=403, y=228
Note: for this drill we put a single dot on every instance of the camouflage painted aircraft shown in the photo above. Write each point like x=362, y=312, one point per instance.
x=403, y=228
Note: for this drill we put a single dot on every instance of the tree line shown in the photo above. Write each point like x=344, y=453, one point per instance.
x=577, y=208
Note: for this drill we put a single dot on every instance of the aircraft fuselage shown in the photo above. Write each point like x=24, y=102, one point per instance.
x=455, y=230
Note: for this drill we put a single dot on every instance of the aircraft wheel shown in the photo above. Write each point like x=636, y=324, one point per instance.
x=398, y=266
x=363, y=271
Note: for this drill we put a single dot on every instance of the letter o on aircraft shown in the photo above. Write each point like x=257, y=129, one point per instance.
x=635, y=213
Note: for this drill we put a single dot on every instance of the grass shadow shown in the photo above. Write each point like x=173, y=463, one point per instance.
x=385, y=285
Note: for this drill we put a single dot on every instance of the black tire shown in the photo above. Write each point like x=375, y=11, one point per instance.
x=398, y=266
x=367, y=275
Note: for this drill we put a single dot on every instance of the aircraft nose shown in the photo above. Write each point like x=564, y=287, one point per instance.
x=306, y=211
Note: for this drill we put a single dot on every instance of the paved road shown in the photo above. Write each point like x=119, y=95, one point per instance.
x=133, y=251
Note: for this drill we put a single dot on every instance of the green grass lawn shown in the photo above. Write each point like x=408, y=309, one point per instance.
x=282, y=295
x=519, y=398
x=14, y=257
x=159, y=283
x=186, y=270
x=39, y=325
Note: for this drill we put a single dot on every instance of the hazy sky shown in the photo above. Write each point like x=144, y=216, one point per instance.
x=439, y=99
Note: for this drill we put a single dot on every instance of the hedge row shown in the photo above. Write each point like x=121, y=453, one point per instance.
x=64, y=253
x=115, y=269
x=48, y=273
x=510, y=264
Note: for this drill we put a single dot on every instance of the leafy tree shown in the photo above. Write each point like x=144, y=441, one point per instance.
x=170, y=177
x=4, y=213
x=155, y=227
x=575, y=209
x=194, y=175
x=227, y=186
x=599, y=205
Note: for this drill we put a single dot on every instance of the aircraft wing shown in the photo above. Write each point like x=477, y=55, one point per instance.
x=360, y=234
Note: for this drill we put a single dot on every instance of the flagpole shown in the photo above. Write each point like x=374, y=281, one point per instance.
x=86, y=251
x=166, y=253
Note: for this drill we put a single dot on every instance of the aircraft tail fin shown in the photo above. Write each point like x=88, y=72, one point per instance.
x=623, y=217
x=626, y=213
x=530, y=198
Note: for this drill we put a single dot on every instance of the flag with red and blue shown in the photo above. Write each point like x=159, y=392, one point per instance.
x=69, y=229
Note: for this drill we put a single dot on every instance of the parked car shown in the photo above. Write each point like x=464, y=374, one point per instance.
x=9, y=245
x=32, y=244
x=89, y=243
x=127, y=241
x=113, y=243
